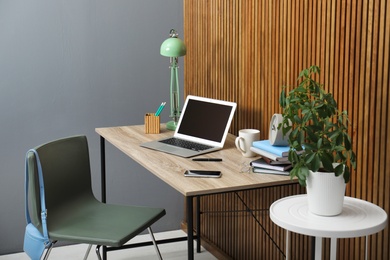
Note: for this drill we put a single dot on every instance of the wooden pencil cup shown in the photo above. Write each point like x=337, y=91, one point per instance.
x=152, y=124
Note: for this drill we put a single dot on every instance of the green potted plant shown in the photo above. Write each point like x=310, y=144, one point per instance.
x=317, y=133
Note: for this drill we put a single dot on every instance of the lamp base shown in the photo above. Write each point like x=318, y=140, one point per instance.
x=171, y=125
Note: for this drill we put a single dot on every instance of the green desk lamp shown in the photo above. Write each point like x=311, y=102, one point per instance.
x=173, y=48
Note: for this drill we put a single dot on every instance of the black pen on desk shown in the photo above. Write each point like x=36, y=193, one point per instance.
x=207, y=159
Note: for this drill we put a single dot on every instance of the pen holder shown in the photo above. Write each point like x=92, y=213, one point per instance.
x=152, y=124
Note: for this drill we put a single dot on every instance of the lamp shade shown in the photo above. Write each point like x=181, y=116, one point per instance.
x=173, y=47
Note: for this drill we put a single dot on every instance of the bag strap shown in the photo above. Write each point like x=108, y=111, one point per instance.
x=41, y=192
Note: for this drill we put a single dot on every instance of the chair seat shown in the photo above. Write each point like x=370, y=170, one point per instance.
x=93, y=222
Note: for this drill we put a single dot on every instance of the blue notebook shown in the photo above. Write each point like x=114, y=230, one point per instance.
x=281, y=151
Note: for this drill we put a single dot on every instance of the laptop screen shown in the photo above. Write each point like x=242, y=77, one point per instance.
x=205, y=118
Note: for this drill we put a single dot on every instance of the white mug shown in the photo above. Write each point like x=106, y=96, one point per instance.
x=245, y=139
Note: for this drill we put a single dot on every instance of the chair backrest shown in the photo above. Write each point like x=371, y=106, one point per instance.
x=66, y=174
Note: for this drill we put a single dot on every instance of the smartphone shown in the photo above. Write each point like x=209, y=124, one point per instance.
x=202, y=174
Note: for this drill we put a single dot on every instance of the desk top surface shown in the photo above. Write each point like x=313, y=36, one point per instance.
x=170, y=168
x=358, y=218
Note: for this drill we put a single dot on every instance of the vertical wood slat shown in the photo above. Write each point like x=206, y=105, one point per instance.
x=245, y=50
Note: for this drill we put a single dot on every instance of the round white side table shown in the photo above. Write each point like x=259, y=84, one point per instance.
x=358, y=218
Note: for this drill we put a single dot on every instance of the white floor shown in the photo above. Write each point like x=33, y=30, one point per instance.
x=176, y=250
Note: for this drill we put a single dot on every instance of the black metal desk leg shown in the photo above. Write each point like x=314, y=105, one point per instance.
x=103, y=181
x=190, y=227
x=198, y=224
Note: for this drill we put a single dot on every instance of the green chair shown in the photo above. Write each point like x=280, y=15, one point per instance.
x=73, y=213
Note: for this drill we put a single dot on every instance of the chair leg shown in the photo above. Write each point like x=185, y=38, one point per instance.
x=98, y=252
x=153, y=240
x=87, y=253
x=154, y=243
x=48, y=251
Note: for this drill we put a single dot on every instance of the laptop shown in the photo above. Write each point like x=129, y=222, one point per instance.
x=202, y=128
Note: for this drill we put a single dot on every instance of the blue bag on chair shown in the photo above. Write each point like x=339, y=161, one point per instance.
x=34, y=241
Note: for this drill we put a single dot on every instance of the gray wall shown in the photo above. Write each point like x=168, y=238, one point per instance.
x=69, y=66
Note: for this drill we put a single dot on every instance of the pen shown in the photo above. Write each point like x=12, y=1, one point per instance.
x=160, y=108
x=207, y=159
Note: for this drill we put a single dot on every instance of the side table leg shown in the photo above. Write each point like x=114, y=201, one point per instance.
x=287, y=245
x=366, y=254
x=318, y=248
x=333, y=248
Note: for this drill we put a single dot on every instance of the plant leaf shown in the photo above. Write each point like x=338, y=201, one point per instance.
x=316, y=164
x=282, y=98
x=327, y=161
x=347, y=142
x=309, y=158
x=346, y=174
x=319, y=143
x=339, y=169
x=303, y=172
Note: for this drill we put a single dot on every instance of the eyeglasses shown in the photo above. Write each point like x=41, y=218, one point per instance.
x=246, y=168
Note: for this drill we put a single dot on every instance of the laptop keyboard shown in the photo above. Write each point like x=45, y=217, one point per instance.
x=186, y=144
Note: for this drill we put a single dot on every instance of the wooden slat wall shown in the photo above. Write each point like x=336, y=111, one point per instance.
x=246, y=50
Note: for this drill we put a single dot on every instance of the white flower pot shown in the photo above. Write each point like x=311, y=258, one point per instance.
x=325, y=193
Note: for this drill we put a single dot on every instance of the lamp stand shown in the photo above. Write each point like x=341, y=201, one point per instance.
x=175, y=106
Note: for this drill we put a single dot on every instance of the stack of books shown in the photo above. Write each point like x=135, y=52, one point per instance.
x=274, y=158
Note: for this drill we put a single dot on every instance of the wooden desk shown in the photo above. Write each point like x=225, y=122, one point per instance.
x=170, y=169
